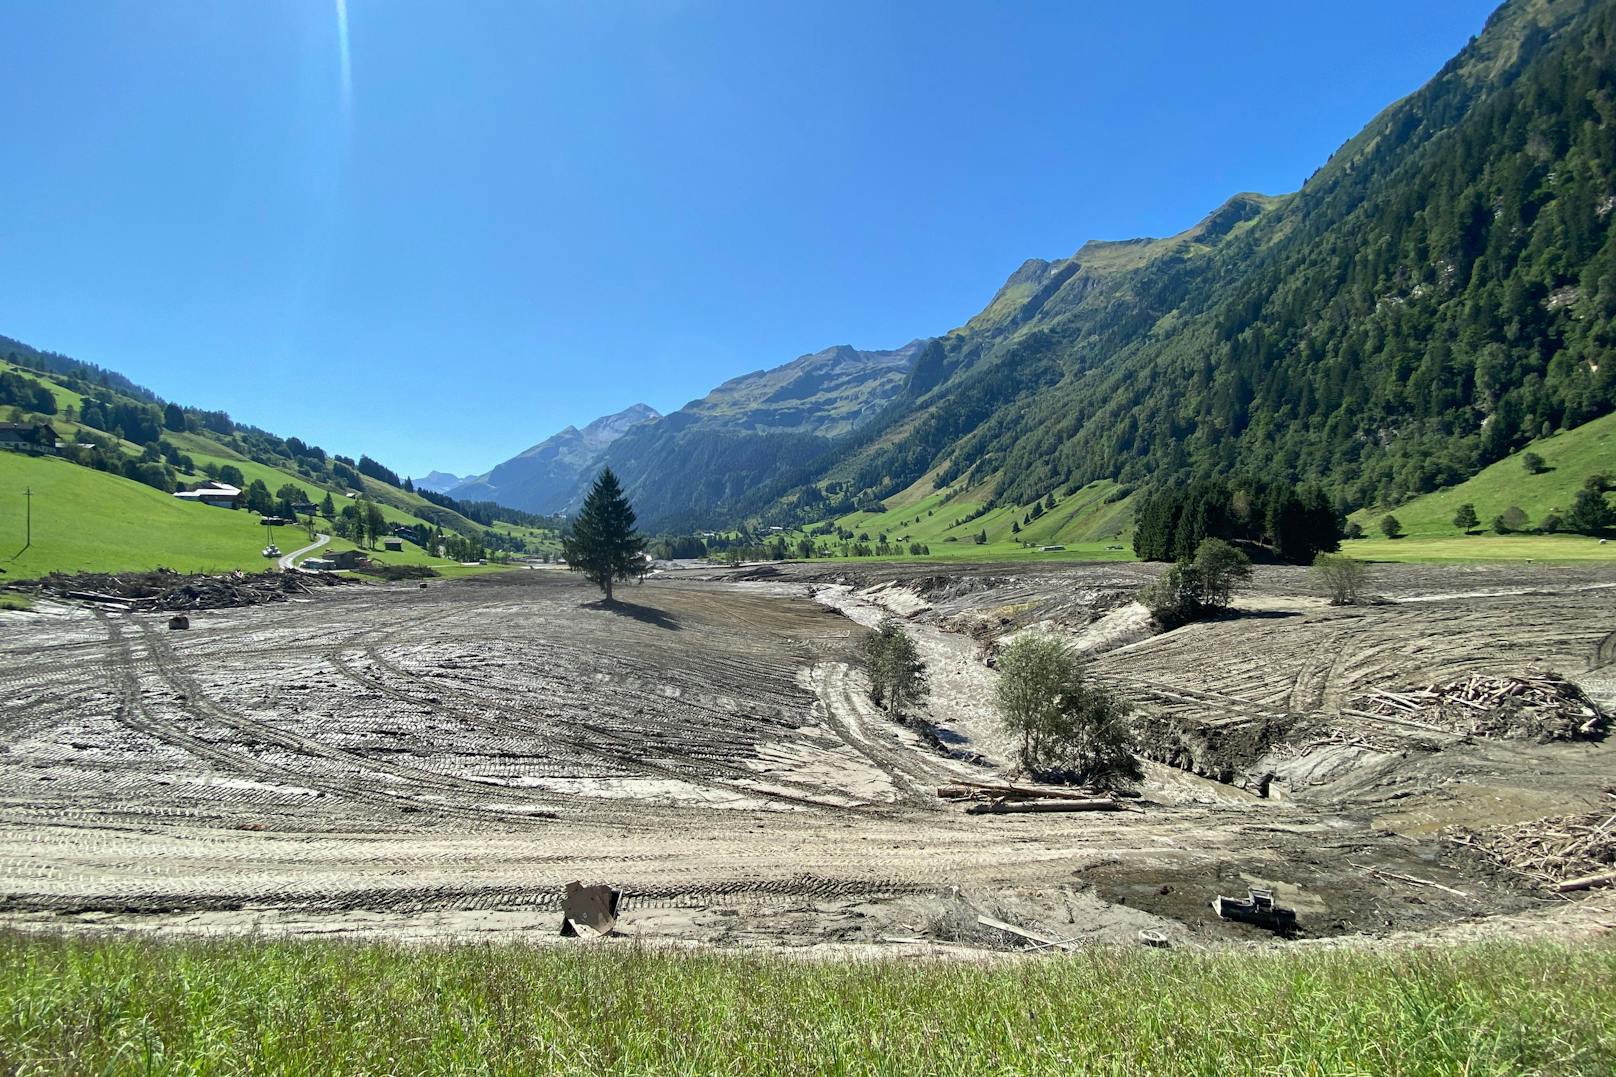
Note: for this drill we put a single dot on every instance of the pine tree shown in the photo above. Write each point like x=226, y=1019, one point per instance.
x=602, y=543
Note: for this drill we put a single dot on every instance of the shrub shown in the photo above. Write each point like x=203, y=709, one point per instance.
x=1343, y=577
x=1390, y=526
x=1511, y=519
x=1533, y=463
x=1354, y=530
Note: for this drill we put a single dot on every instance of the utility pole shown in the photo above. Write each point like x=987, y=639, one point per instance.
x=28, y=494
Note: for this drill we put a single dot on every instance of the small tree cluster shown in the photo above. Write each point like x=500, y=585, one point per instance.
x=1199, y=587
x=897, y=672
x=1065, y=725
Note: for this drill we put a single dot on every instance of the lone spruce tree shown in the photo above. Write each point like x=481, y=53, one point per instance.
x=602, y=543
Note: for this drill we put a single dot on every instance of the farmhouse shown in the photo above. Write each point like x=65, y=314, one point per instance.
x=346, y=559
x=28, y=437
x=220, y=495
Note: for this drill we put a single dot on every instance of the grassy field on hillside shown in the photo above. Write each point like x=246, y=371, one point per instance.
x=124, y=1005
x=1487, y=547
x=87, y=520
x=1087, y=522
x=1571, y=455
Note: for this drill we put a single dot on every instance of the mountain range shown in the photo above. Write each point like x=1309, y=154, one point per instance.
x=542, y=479
x=1440, y=292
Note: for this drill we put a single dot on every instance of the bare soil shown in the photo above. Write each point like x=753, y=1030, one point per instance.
x=421, y=763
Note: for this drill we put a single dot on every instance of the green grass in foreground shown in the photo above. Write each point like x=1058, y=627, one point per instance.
x=123, y=1005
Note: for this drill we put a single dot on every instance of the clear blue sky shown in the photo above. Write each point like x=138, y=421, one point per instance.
x=515, y=216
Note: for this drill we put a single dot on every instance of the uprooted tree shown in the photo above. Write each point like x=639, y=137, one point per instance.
x=1066, y=725
x=602, y=542
x=897, y=672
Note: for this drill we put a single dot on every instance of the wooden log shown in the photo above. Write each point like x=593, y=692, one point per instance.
x=1031, y=936
x=1382, y=874
x=1014, y=806
x=1587, y=882
x=1014, y=792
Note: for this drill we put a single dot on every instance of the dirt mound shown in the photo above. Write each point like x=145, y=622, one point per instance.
x=1552, y=850
x=1538, y=706
x=168, y=591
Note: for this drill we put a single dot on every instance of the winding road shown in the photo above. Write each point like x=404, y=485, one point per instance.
x=285, y=564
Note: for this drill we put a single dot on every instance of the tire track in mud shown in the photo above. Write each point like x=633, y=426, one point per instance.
x=137, y=714
x=594, y=740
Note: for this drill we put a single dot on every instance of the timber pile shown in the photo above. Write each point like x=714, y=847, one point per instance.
x=1541, y=706
x=987, y=798
x=1574, y=852
x=167, y=591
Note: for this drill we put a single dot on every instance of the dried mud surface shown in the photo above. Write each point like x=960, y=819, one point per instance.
x=421, y=763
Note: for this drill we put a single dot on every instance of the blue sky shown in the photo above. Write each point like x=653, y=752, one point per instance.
x=514, y=216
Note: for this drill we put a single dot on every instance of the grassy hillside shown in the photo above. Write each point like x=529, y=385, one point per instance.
x=1089, y=523
x=92, y=521
x=129, y=1005
x=101, y=520
x=1571, y=456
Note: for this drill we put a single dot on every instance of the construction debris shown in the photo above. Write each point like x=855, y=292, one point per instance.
x=1540, y=706
x=1256, y=908
x=589, y=911
x=1574, y=852
x=991, y=799
x=167, y=591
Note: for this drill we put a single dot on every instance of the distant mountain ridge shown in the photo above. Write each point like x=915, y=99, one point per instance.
x=540, y=479
x=439, y=482
x=751, y=430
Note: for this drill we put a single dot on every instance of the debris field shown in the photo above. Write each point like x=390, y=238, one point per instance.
x=387, y=760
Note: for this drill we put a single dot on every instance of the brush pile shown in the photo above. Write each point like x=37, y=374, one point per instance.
x=1537, y=706
x=984, y=798
x=1564, y=851
x=167, y=591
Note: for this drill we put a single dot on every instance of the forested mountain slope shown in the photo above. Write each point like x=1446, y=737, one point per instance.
x=1436, y=295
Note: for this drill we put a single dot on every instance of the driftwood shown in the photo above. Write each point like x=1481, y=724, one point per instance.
x=1043, y=941
x=175, y=592
x=1569, y=849
x=1539, y=705
x=1587, y=882
x=978, y=790
x=1004, y=807
x=1382, y=874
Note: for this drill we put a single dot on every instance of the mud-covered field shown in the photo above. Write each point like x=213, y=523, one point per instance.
x=435, y=761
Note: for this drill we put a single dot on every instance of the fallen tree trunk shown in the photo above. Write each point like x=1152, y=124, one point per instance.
x=1025, y=792
x=1587, y=882
x=1012, y=806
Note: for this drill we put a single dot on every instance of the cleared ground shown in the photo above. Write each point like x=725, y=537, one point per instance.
x=441, y=761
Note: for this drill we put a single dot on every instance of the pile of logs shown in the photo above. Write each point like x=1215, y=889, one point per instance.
x=1542, y=706
x=986, y=798
x=175, y=592
x=1574, y=852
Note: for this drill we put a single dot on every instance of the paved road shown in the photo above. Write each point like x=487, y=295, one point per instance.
x=285, y=563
